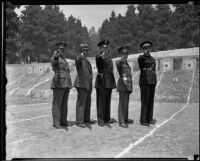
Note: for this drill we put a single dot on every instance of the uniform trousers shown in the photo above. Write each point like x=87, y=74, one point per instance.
x=60, y=105
x=123, y=107
x=83, y=105
x=147, y=102
x=103, y=104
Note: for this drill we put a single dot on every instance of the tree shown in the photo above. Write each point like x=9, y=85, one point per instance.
x=146, y=24
x=111, y=30
x=41, y=28
x=94, y=40
x=131, y=27
x=163, y=28
x=32, y=32
x=186, y=24
x=76, y=34
x=54, y=24
x=11, y=29
x=158, y=24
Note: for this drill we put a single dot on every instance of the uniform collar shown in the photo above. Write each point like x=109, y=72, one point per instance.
x=147, y=54
x=125, y=61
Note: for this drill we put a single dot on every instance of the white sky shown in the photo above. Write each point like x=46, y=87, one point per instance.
x=93, y=15
x=90, y=15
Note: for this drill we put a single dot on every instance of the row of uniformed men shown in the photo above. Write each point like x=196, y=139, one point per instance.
x=105, y=82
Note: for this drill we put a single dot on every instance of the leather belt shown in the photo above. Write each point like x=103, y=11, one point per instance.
x=105, y=72
x=102, y=74
x=61, y=71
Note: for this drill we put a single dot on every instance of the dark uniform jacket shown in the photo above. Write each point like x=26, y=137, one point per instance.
x=62, y=78
x=105, y=77
x=125, y=80
x=147, y=66
x=84, y=71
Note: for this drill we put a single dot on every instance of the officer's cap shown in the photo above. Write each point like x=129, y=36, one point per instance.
x=103, y=43
x=84, y=46
x=146, y=44
x=64, y=44
x=123, y=49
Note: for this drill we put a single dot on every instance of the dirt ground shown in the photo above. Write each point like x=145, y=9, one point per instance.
x=30, y=133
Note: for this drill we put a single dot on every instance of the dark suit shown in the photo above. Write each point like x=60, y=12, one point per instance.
x=124, y=87
x=83, y=84
x=104, y=84
x=61, y=85
x=147, y=82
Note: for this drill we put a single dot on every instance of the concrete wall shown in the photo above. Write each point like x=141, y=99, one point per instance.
x=37, y=68
x=164, y=61
x=161, y=64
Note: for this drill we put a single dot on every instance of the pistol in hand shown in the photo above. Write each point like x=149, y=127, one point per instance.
x=56, y=54
x=82, y=55
x=103, y=54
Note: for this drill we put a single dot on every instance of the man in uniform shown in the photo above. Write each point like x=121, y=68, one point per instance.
x=124, y=86
x=61, y=85
x=104, y=84
x=147, y=82
x=83, y=84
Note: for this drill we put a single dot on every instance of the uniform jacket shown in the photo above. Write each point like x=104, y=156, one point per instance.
x=61, y=78
x=125, y=80
x=84, y=73
x=147, y=66
x=105, y=77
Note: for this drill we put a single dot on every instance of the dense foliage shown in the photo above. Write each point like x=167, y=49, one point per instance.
x=42, y=28
x=11, y=31
x=32, y=36
x=165, y=28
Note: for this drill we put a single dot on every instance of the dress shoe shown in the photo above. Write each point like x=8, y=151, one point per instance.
x=111, y=121
x=57, y=126
x=129, y=121
x=90, y=122
x=101, y=124
x=80, y=125
x=123, y=125
x=153, y=121
x=64, y=124
x=145, y=123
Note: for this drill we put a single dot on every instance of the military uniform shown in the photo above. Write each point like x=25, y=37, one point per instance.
x=61, y=85
x=124, y=87
x=83, y=84
x=104, y=84
x=147, y=82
